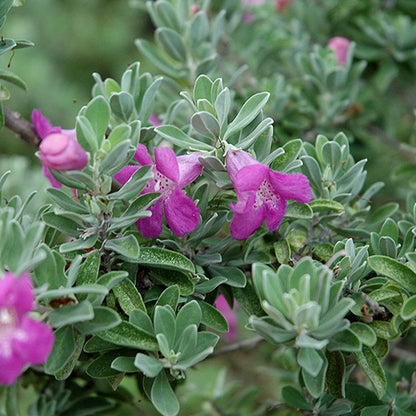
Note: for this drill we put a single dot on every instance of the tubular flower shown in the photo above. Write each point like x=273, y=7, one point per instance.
x=340, y=46
x=171, y=174
x=59, y=149
x=22, y=339
x=230, y=315
x=262, y=193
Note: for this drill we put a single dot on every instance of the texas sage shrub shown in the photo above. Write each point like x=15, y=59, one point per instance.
x=179, y=211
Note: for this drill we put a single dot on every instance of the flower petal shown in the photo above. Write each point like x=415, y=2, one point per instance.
x=166, y=163
x=275, y=214
x=181, y=213
x=236, y=160
x=42, y=125
x=244, y=203
x=36, y=343
x=243, y=225
x=48, y=175
x=151, y=227
x=291, y=186
x=250, y=177
x=124, y=174
x=142, y=155
x=11, y=366
x=189, y=168
x=17, y=293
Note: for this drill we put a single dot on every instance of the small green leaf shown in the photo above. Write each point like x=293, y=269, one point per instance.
x=335, y=374
x=172, y=43
x=316, y=384
x=235, y=276
x=292, y=150
x=66, y=202
x=104, y=318
x=394, y=270
x=165, y=324
x=409, y=308
x=310, y=360
x=98, y=114
x=149, y=366
x=282, y=251
x=202, y=88
x=212, y=317
x=118, y=157
x=171, y=277
x=206, y=124
x=163, y=397
x=124, y=364
x=88, y=271
x=298, y=211
x=380, y=214
x=122, y=105
x=70, y=314
x=64, y=372
x=318, y=205
x=127, y=246
x=128, y=296
x=371, y=365
x=295, y=398
x=181, y=139
x=364, y=332
x=170, y=296
x=129, y=335
x=248, y=112
x=166, y=259
x=101, y=366
x=62, y=350
x=11, y=77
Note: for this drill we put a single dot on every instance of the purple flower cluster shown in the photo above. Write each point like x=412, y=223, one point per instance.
x=23, y=340
x=262, y=193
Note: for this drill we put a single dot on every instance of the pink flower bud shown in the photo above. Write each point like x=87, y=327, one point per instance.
x=340, y=46
x=61, y=151
x=282, y=4
x=195, y=9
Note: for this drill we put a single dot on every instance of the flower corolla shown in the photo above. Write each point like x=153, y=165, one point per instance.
x=340, y=46
x=171, y=174
x=23, y=340
x=262, y=193
x=59, y=148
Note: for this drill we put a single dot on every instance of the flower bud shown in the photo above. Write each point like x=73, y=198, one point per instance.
x=61, y=151
x=340, y=46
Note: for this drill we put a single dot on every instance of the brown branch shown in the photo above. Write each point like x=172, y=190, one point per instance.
x=21, y=127
x=246, y=344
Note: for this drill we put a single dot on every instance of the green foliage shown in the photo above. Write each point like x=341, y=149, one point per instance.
x=332, y=291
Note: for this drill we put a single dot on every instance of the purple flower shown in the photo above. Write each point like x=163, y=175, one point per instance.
x=171, y=174
x=22, y=339
x=153, y=119
x=340, y=46
x=261, y=193
x=230, y=315
x=59, y=149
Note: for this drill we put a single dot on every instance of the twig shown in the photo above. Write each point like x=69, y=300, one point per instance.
x=23, y=128
x=246, y=344
x=391, y=141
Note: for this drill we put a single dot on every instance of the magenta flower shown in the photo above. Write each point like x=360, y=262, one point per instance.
x=282, y=4
x=262, y=193
x=59, y=149
x=171, y=174
x=230, y=315
x=22, y=339
x=153, y=119
x=340, y=46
